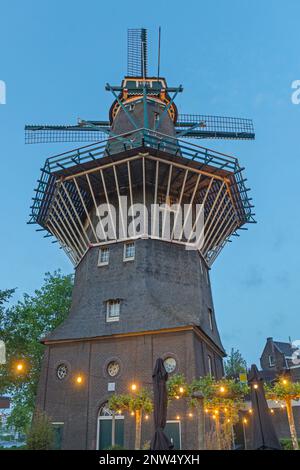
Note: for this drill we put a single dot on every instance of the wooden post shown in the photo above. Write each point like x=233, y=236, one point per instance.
x=201, y=425
x=218, y=431
x=138, y=429
x=113, y=429
x=290, y=415
x=245, y=436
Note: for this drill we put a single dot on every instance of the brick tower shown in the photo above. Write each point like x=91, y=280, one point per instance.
x=139, y=294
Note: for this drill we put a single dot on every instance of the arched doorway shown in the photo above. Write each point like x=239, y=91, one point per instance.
x=105, y=428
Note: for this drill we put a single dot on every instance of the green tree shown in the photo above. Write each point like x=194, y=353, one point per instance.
x=137, y=403
x=286, y=391
x=21, y=328
x=223, y=399
x=235, y=364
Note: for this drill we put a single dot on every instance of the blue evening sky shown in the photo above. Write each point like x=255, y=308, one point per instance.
x=234, y=58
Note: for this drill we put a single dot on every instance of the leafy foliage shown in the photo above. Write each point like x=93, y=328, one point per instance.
x=41, y=434
x=287, y=444
x=21, y=328
x=283, y=390
x=139, y=401
x=177, y=387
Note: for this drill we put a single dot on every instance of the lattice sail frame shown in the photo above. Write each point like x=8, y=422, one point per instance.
x=74, y=183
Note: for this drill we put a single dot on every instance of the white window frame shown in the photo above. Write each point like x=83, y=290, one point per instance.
x=128, y=258
x=210, y=319
x=102, y=418
x=271, y=360
x=103, y=263
x=110, y=318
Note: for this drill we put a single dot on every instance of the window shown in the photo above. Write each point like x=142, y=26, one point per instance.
x=103, y=258
x=170, y=364
x=113, y=368
x=62, y=371
x=271, y=361
x=210, y=319
x=113, y=310
x=209, y=362
x=129, y=251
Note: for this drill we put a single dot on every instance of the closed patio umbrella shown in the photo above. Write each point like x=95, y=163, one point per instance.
x=264, y=436
x=160, y=376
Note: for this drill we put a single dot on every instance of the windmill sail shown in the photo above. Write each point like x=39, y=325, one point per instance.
x=137, y=48
x=200, y=126
x=79, y=133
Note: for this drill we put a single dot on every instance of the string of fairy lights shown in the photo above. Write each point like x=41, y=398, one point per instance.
x=213, y=412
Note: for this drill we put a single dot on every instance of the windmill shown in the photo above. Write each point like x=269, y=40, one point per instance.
x=142, y=295
x=137, y=82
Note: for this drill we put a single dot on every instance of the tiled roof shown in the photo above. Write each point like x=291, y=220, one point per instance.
x=284, y=348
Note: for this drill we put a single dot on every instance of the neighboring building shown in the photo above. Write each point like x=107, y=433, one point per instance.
x=136, y=298
x=279, y=357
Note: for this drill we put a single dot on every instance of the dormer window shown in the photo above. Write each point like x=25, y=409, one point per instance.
x=113, y=310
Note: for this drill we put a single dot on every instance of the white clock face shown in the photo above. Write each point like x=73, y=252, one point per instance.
x=170, y=364
x=62, y=371
x=113, y=368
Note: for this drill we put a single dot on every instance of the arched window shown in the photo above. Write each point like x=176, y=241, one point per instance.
x=106, y=427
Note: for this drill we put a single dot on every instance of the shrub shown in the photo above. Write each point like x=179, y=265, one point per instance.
x=287, y=444
x=41, y=434
x=115, y=447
